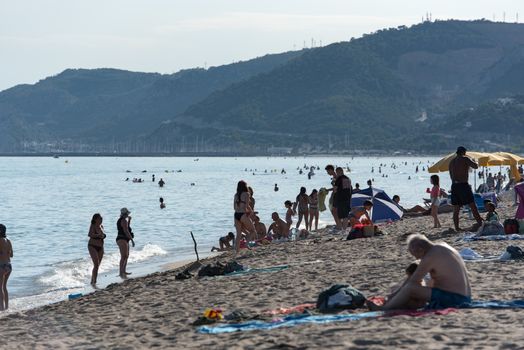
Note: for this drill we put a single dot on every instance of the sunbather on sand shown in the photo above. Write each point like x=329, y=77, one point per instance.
x=224, y=243
x=450, y=282
x=279, y=227
x=357, y=213
x=259, y=227
x=418, y=210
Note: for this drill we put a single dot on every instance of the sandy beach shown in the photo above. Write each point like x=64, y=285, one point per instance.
x=158, y=311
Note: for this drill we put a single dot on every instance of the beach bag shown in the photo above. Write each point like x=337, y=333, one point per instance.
x=515, y=252
x=211, y=270
x=511, y=226
x=340, y=297
x=233, y=266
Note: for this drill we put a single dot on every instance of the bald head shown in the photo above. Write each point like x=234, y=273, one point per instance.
x=418, y=244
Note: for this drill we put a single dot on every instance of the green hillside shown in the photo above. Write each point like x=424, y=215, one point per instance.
x=368, y=92
x=89, y=108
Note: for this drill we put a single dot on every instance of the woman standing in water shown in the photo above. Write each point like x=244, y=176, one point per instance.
x=243, y=210
x=6, y=253
x=125, y=234
x=96, y=244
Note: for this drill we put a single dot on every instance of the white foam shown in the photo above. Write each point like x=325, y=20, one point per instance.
x=73, y=277
x=76, y=274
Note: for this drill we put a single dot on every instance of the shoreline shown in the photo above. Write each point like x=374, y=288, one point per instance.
x=167, y=307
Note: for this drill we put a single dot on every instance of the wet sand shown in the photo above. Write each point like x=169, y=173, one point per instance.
x=157, y=310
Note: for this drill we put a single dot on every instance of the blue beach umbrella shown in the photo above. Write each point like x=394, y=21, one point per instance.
x=384, y=208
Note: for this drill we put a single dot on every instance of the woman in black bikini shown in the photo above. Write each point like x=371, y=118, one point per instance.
x=6, y=253
x=96, y=244
x=125, y=234
x=243, y=210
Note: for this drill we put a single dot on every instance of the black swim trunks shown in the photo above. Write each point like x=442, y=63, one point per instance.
x=461, y=194
x=343, y=209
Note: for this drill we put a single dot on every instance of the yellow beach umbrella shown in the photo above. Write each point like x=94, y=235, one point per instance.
x=512, y=161
x=483, y=159
x=491, y=159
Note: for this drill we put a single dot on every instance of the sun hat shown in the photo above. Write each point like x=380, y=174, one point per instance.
x=124, y=211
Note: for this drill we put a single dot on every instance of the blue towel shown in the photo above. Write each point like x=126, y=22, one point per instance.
x=294, y=320
x=257, y=270
x=496, y=304
x=511, y=237
x=288, y=321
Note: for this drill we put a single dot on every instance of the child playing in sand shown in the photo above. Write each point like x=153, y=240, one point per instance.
x=225, y=243
x=302, y=202
x=313, y=210
x=435, y=201
x=289, y=214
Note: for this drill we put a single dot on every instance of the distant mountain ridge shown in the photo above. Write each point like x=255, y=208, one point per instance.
x=400, y=89
x=102, y=106
x=369, y=92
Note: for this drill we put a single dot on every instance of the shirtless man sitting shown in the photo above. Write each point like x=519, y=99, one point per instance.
x=259, y=227
x=279, y=227
x=449, y=278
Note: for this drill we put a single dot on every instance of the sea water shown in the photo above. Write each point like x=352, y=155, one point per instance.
x=47, y=204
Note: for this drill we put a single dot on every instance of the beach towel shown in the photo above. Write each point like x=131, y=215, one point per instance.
x=258, y=270
x=295, y=320
x=474, y=237
x=298, y=309
x=322, y=194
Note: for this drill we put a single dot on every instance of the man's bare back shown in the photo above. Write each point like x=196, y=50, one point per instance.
x=459, y=168
x=447, y=269
x=280, y=228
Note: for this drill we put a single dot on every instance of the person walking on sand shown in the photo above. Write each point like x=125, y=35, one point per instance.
x=6, y=253
x=449, y=282
x=125, y=234
x=330, y=169
x=243, y=211
x=461, y=193
x=313, y=210
x=435, y=201
x=302, y=201
x=95, y=245
x=342, y=201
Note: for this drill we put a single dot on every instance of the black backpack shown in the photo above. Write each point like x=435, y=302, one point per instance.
x=515, y=252
x=340, y=297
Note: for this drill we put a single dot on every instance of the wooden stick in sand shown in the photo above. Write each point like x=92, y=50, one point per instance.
x=196, y=251
x=196, y=265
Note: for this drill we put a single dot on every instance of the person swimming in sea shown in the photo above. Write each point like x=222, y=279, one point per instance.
x=162, y=204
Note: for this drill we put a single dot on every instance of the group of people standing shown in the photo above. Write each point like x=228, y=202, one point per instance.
x=97, y=236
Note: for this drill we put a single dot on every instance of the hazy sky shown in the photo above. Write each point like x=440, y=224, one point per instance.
x=43, y=37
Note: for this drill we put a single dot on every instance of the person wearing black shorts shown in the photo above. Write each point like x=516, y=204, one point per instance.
x=342, y=200
x=461, y=193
